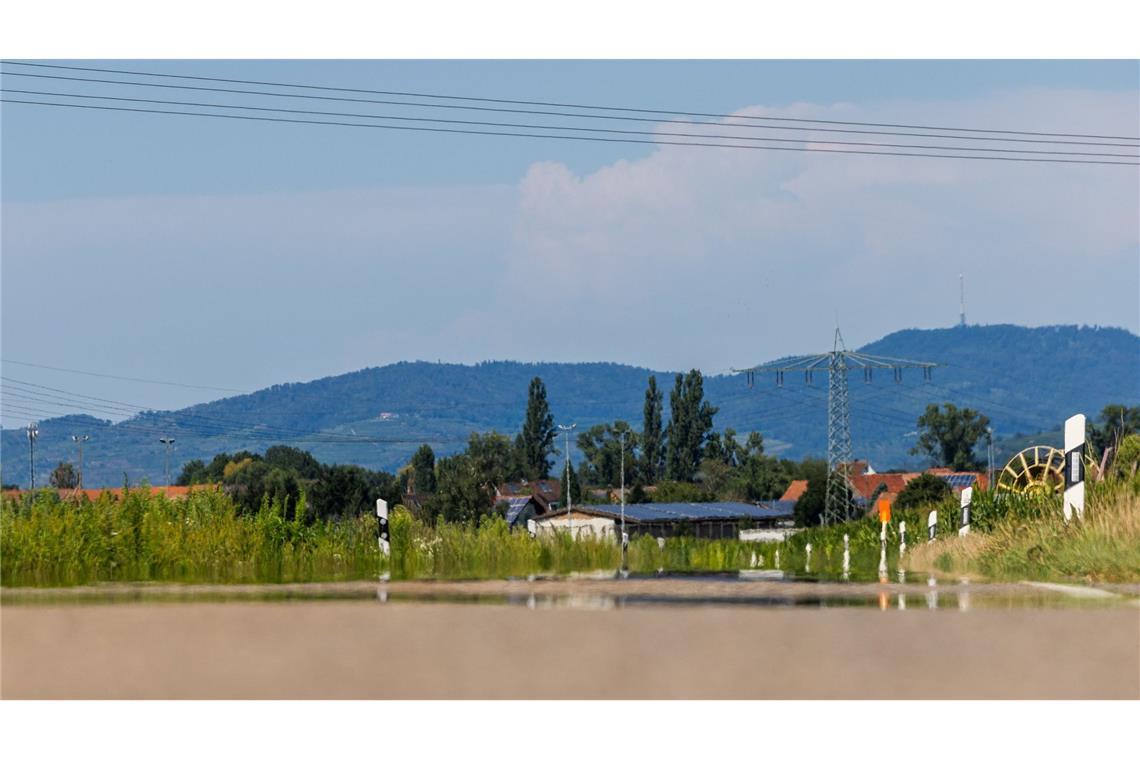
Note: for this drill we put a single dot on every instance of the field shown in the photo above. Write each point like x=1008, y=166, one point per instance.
x=206, y=539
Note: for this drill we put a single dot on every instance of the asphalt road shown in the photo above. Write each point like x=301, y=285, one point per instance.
x=407, y=650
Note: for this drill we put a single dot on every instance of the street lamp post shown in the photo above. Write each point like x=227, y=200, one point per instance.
x=569, y=518
x=168, y=442
x=990, y=448
x=80, y=439
x=33, y=433
x=623, y=434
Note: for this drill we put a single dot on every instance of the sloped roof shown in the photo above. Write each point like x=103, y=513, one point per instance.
x=795, y=490
x=686, y=511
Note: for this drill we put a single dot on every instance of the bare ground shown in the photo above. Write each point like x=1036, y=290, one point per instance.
x=365, y=649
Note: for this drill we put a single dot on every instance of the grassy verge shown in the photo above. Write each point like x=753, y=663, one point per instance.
x=1103, y=547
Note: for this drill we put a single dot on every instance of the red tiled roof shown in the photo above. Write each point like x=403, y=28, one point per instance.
x=795, y=490
x=93, y=494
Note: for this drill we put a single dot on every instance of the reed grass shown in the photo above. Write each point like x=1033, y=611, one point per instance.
x=46, y=541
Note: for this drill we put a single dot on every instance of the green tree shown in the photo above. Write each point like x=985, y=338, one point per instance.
x=1124, y=464
x=193, y=473
x=494, y=458
x=1116, y=423
x=536, y=441
x=948, y=436
x=303, y=464
x=462, y=494
x=923, y=490
x=691, y=420
x=423, y=467
x=809, y=507
x=652, y=436
x=64, y=476
x=601, y=446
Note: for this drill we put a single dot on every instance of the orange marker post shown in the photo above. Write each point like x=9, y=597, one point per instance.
x=884, y=510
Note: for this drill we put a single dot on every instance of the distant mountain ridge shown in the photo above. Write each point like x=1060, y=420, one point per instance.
x=1024, y=379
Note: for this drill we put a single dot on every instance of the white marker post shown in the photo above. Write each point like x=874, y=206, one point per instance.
x=777, y=559
x=807, y=562
x=883, y=552
x=382, y=514
x=846, y=556
x=1075, y=466
x=932, y=525
x=902, y=540
x=967, y=497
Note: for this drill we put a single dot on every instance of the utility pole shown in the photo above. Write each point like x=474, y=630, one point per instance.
x=80, y=439
x=168, y=442
x=838, y=362
x=569, y=517
x=33, y=433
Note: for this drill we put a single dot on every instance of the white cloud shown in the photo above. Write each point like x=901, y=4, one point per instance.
x=732, y=248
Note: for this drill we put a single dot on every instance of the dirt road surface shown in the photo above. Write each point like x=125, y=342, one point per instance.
x=360, y=649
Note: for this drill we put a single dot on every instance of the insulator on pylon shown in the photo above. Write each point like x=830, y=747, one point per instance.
x=780, y=378
x=898, y=374
x=866, y=374
x=807, y=377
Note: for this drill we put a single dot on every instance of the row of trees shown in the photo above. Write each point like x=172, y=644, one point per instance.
x=284, y=472
x=685, y=459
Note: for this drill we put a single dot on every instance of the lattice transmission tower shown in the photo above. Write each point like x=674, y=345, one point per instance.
x=837, y=363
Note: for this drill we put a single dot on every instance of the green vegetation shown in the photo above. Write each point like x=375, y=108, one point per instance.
x=949, y=435
x=690, y=422
x=925, y=489
x=535, y=443
x=205, y=538
x=1012, y=538
x=64, y=476
x=1035, y=543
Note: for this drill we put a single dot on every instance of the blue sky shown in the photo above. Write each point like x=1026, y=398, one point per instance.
x=246, y=254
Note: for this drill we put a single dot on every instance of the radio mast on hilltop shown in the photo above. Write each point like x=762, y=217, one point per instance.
x=961, y=300
x=837, y=363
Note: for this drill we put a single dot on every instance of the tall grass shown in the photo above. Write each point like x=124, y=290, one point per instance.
x=1104, y=546
x=202, y=539
x=45, y=541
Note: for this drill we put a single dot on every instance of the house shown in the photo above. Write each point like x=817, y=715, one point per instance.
x=717, y=519
x=870, y=486
x=519, y=509
x=547, y=492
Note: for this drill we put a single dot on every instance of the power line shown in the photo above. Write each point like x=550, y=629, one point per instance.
x=566, y=137
x=119, y=377
x=559, y=114
x=512, y=125
x=550, y=104
x=213, y=426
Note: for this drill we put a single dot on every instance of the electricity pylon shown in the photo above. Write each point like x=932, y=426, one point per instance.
x=837, y=363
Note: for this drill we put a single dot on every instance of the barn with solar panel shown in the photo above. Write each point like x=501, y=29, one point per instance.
x=715, y=519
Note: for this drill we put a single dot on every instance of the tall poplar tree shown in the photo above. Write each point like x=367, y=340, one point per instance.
x=689, y=425
x=536, y=441
x=652, y=445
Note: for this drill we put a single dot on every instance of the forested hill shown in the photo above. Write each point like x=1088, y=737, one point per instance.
x=1024, y=379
